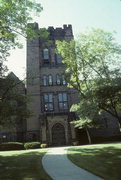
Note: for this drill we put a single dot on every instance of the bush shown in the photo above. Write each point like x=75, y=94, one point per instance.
x=43, y=145
x=32, y=145
x=11, y=146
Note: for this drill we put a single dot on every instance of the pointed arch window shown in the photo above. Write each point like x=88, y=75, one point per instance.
x=63, y=80
x=50, y=80
x=45, y=80
x=58, y=79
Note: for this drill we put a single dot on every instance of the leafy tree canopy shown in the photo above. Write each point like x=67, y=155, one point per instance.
x=93, y=67
x=12, y=100
x=14, y=18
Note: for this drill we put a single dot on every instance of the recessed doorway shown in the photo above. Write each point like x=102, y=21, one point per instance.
x=58, y=135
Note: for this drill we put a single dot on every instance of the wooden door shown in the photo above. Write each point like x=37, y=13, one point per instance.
x=58, y=135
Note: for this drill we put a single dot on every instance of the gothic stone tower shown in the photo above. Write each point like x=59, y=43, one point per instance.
x=50, y=98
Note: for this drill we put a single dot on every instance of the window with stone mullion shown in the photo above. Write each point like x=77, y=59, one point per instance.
x=60, y=79
x=47, y=80
x=48, y=102
x=62, y=98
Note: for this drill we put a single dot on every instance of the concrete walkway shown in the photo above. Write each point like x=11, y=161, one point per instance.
x=59, y=167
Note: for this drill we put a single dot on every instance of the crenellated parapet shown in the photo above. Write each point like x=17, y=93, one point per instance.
x=59, y=33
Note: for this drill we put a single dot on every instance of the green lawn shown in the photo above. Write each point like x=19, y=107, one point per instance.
x=103, y=160
x=22, y=165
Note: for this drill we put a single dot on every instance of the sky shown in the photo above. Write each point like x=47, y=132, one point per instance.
x=82, y=14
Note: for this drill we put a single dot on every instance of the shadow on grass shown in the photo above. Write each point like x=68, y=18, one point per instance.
x=105, y=151
x=25, y=166
x=103, y=161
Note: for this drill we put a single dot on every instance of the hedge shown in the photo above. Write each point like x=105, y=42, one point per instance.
x=32, y=145
x=11, y=146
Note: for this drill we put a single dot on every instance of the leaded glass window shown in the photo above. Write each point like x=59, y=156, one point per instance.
x=48, y=102
x=62, y=99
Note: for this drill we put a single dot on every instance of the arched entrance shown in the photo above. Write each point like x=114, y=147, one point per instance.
x=58, y=135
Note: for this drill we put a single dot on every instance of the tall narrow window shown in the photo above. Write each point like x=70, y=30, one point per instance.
x=59, y=58
x=50, y=80
x=58, y=79
x=45, y=54
x=62, y=99
x=45, y=80
x=48, y=102
x=63, y=80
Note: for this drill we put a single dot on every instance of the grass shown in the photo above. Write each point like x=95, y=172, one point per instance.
x=22, y=165
x=103, y=160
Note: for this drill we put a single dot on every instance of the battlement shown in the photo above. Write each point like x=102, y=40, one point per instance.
x=51, y=28
x=58, y=33
x=69, y=26
x=65, y=28
x=62, y=32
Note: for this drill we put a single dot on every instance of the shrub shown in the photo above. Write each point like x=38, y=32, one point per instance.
x=32, y=145
x=43, y=145
x=11, y=146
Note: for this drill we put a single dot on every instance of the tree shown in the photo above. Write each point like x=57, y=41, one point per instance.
x=14, y=18
x=87, y=118
x=12, y=100
x=92, y=66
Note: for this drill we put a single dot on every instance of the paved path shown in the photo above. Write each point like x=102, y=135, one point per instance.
x=59, y=167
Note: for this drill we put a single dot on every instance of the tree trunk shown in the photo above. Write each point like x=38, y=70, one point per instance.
x=88, y=135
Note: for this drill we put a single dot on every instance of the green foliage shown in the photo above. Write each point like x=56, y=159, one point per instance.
x=14, y=17
x=12, y=101
x=32, y=145
x=92, y=66
x=88, y=114
x=108, y=94
x=11, y=146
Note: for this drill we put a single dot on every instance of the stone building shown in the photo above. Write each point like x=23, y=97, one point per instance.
x=49, y=95
x=48, y=91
